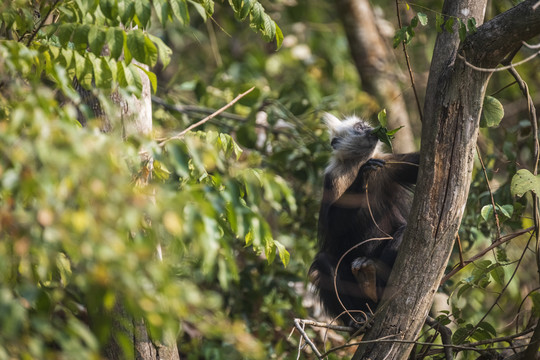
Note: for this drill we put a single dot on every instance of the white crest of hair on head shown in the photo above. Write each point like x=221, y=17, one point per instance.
x=332, y=122
x=337, y=126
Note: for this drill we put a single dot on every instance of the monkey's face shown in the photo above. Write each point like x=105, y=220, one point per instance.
x=352, y=138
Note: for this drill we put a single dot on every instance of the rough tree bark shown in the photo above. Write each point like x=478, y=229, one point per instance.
x=135, y=115
x=376, y=65
x=451, y=116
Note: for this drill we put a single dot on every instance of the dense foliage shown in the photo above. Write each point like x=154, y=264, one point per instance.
x=232, y=207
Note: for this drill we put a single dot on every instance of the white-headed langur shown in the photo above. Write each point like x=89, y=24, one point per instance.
x=366, y=201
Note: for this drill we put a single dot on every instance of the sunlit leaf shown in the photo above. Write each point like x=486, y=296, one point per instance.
x=524, y=181
x=492, y=112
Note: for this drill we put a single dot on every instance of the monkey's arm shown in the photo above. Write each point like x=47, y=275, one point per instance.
x=403, y=168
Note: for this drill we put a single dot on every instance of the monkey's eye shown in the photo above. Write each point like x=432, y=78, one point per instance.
x=335, y=141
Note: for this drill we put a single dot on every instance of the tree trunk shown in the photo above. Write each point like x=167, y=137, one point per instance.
x=136, y=118
x=376, y=66
x=451, y=116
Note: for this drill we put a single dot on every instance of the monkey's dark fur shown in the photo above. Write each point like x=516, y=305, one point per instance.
x=345, y=219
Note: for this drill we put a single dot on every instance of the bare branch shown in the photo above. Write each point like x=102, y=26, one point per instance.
x=41, y=23
x=194, y=109
x=495, y=213
x=409, y=67
x=299, y=325
x=199, y=123
x=503, y=68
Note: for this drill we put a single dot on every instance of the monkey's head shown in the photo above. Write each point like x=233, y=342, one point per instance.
x=351, y=138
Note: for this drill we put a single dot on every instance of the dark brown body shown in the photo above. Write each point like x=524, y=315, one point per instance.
x=345, y=220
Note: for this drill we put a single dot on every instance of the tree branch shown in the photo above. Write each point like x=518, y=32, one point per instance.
x=209, y=117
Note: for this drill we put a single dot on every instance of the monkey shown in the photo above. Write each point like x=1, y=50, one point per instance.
x=366, y=200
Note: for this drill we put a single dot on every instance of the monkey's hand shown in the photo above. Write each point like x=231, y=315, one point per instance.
x=365, y=272
x=372, y=165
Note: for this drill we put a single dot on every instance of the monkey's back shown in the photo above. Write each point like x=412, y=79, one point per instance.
x=366, y=221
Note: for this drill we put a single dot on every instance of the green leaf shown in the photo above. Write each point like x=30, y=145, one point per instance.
x=268, y=27
x=381, y=116
x=461, y=334
x=80, y=37
x=524, y=181
x=393, y=132
x=498, y=274
x=269, y=249
x=64, y=33
x=208, y=6
x=492, y=112
x=200, y=9
x=507, y=210
x=136, y=43
x=127, y=54
x=163, y=50
x=449, y=25
x=284, y=255
x=96, y=39
x=102, y=73
x=180, y=11
x=246, y=9
x=439, y=21
x=143, y=10
x=414, y=22
x=486, y=212
x=488, y=327
x=463, y=289
x=471, y=25
x=68, y=57
x=160, y=171
x=142, y=48
x=236, y=5
x=462, y=31
x=84, y=71
x=151, y=76
x=256, y=14
x=151, y=52
x=126, y=11
x=402, y=35
x=137, y=81
x=162, y=10
x=279, y=37
x=422, y=18
x=109, y=8
x=115, y=40
x=124, y=76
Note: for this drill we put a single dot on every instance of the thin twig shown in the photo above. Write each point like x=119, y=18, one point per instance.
x=326, y=325
x=500, y=68
x=536, y=46
x=497, y=223
x=193, y=126
x=409, y=68
x=401, y=341
x=298, y=325
x=503, y=88
x=190, y=109
x=460, y=248
x=42, y=22
x=498, y=242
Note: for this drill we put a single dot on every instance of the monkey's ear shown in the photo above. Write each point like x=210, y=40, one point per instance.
x=332, y=122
